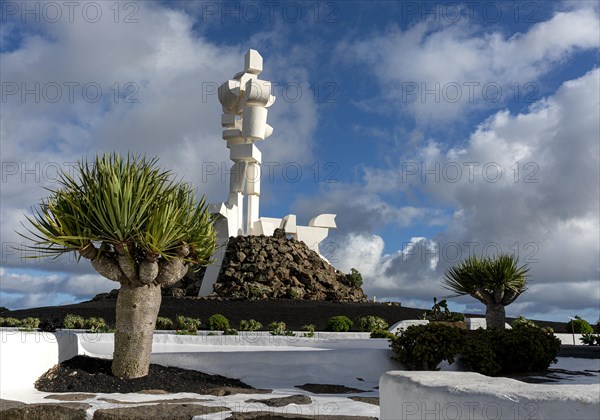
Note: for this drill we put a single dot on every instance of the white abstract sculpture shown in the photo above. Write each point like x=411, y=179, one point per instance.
x=245, y=100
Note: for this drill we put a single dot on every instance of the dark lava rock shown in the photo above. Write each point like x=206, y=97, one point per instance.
x=275, y=267
x=329, y=389
x=162, y=411
x=65, y=411
x=282, y=402
x=90, y=374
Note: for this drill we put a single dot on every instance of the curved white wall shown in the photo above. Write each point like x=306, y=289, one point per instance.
x=471, y=396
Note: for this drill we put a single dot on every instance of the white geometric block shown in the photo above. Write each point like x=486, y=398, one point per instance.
x=326, y=220
x=244, y=80
x=245, y=152
x=311, y=236
x=253, y=179
x=253, y=210
x=289, y=224
x=268, y=131
x=258, y=92
x=253, y=62
x=233, y=136
x=237, y=177
x=254, y=125
x=230, y=121
x=229, y=95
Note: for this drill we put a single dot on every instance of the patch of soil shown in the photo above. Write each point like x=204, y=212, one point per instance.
x=329, y=389
x=282, y=402
x=366, y=400
x=269, y=415
x=93, y=375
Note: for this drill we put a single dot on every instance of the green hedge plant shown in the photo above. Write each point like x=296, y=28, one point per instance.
x=218, y=322
x=579, y=326
x=250, y=325
x=73, y=321
x=163, y=323
x=279, y=328
x=382, y=334
x=187, y=325
x=590, y=339
x=309, y=330
x=339, y=323
x=372, y=323
x=424, y=347
x=10, y=322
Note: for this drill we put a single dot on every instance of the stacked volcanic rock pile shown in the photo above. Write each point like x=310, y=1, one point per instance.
x=272, y=267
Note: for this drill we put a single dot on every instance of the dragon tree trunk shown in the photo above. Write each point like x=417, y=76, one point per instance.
x=495, y=315
x=137, y=309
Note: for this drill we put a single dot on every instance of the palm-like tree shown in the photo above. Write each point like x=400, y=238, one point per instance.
x=496, y=282
x=138, y=227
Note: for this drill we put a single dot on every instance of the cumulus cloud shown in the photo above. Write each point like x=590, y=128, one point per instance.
x=157, y=80
x=438, y=69
x=147, y=87
x=540, y=201
x=26, y=288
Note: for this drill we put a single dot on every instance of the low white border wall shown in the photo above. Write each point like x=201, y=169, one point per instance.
x=471, y=396
x=261, y=360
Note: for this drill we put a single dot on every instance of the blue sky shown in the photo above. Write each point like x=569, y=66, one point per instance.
x=434, y=130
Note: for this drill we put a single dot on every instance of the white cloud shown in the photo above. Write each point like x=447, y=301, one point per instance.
x=466, y=67
x=548, y=214
x=22, y=289
x=164, y=76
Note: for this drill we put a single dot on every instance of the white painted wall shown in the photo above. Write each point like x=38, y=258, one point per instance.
x=24, y=357
x=260, y=360
x=471, y=396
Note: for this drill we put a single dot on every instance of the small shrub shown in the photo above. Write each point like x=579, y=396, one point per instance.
x=230, y=331
x=355, y=278
x=191, y=325
x=339, y=323
x=424, y=347
x=523, y=349
x=103, y=329
x=440, y=312
x=10, y=322
x=250, y=325
x=94, y=324
x=29, y=323
x=255, y=292
x=579, y=326
x=279, y=328
x=382, y=334
x=50, y=324
x=590, y=339
x=72, y=321
x=163, y=323
x=309, y=330
x=372, y=323
x=218, y=322
x=293, y=293
x=522, y=321
x=479, y=357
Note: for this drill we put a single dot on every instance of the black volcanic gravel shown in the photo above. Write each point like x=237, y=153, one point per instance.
x=90, y=374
